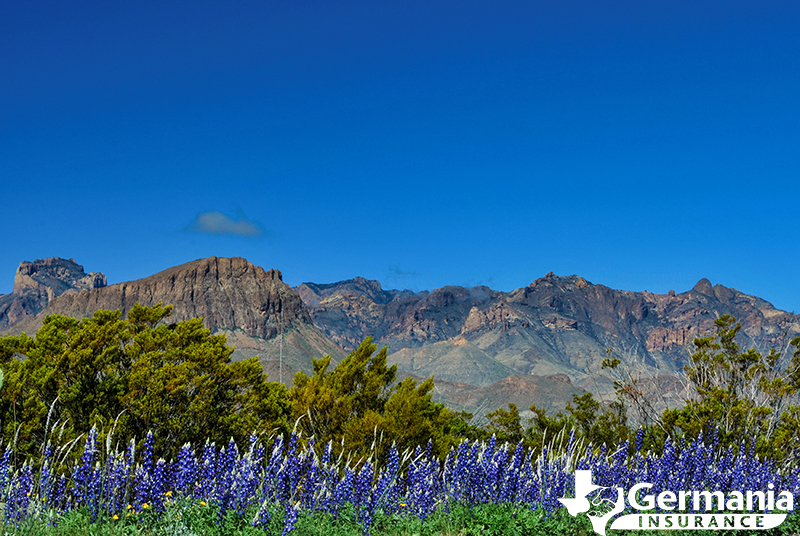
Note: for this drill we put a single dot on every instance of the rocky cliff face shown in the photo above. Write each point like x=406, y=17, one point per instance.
x=37, y=283
x=351, y=310
x=555, y=325
x=229, y=293
x=252, y=306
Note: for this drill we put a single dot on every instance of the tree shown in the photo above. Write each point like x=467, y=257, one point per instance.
x=133, y=376
x=412, y=418
x=744, y=395
x=585, y=417
x=357, y=404
x=507, y=424
x=329, y=402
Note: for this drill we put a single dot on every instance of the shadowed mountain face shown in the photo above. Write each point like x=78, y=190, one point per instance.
x=349, y=311
x=556, y=325
x=37, y=283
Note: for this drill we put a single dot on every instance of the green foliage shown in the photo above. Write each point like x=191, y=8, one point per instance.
x=184, y=518
x=506, y=424
x=595, y=426
x=141, y=374
x=741, y=393
x=357, y=404
x=588, y=419
x=132, y=376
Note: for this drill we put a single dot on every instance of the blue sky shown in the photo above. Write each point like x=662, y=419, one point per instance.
x=641, y=145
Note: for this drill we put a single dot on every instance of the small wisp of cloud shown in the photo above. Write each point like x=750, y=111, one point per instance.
x=395, y=272
x=216, y=223
x=396, y=276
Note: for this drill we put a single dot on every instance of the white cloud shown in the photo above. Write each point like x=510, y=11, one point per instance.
x=217, y=223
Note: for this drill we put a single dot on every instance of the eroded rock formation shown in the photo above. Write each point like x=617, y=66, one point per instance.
x=38, y=283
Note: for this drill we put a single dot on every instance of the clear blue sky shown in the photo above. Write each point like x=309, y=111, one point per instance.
x=641, y=145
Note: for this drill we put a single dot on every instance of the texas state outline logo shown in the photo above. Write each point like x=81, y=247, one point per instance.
x=677, y=510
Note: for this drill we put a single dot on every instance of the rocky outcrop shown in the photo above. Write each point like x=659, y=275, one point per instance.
x=228, y=293
x=249, y=304
x=351, y=310
x=38, y=283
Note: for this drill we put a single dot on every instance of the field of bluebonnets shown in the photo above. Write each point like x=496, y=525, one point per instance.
x=274, y=487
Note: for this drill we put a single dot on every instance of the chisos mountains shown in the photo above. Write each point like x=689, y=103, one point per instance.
x=485, y=348
x=250, y=305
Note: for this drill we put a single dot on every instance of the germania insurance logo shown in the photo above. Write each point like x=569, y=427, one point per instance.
x=680, y=510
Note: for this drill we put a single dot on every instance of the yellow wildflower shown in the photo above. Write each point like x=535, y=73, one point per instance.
x=129, y=507
x=116, y=516
x=169, y=493
x=202, y=503
x=144, y=506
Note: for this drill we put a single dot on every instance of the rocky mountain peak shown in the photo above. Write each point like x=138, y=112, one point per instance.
x=570, y=282
x=54, y=276
x=314, y=294
x=229, y=293
x=704, y=287
x=38, y=283
x=247, y=303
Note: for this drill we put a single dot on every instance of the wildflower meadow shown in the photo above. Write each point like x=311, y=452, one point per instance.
x=277, y=486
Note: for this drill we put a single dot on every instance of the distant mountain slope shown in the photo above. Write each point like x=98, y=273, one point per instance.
x=555, y=325
x=455, y=360
x=547, y=392
x=39, y=282
x=249, y=304
x=350, y=310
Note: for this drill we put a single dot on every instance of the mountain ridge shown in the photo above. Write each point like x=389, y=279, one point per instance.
x=555, y=325
x=471, y=340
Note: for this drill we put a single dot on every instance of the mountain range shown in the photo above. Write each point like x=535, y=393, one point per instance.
x=485, y=348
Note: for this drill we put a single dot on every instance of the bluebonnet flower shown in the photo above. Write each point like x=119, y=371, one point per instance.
x=158, y=485
x=247, y=477
x=19, y=497
x=289, y=519
x=186, y=472
x=262, y=517
x=5, y=465
x=207, y=472
x=293, y=478
x=225, y=478
x=85, y=477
